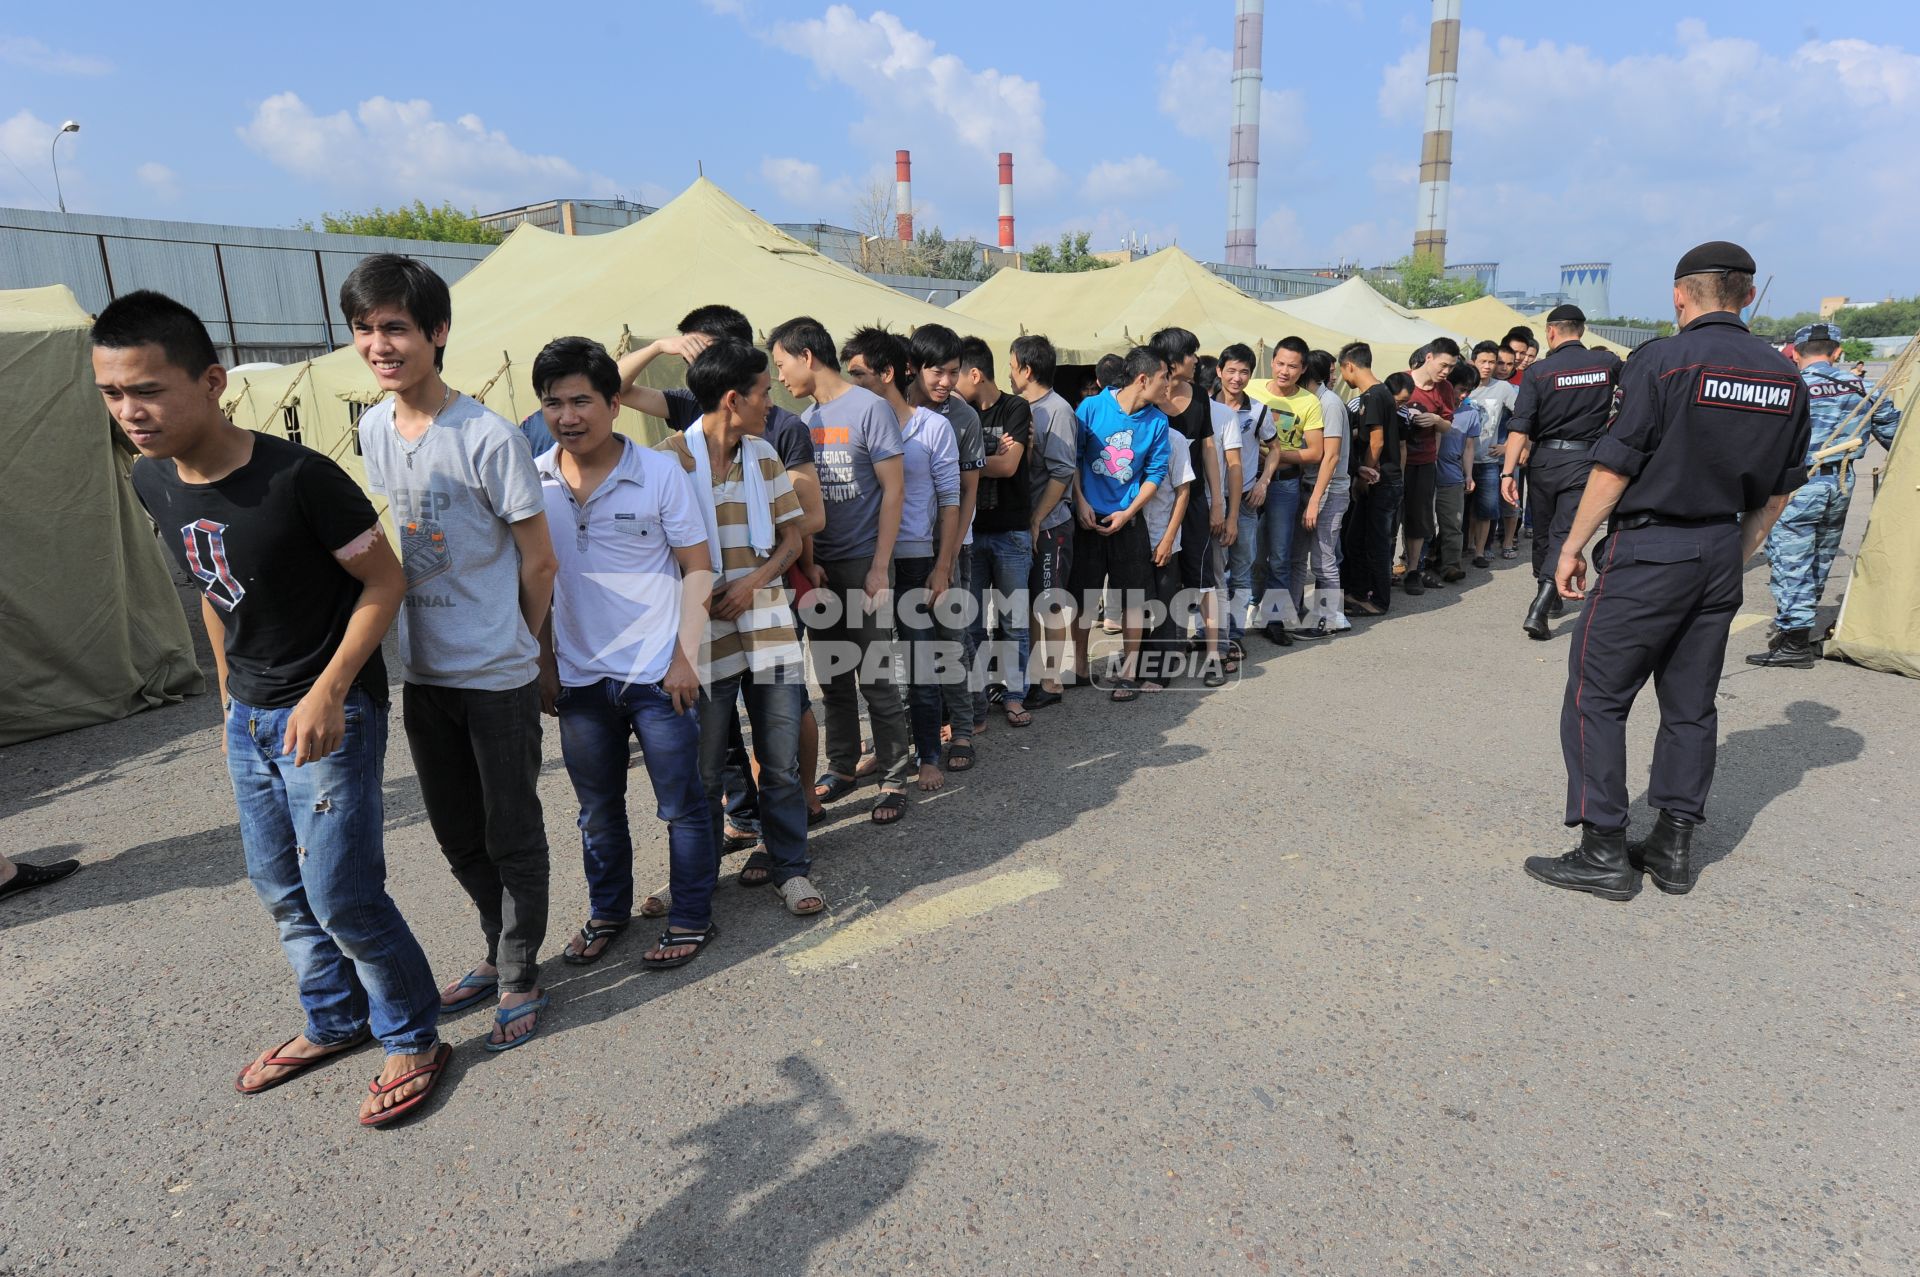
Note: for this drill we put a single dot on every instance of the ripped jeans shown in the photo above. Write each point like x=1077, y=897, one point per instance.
x=315, y=855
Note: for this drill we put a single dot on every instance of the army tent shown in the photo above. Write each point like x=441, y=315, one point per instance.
x=1880, y=616
x=1489, y=319
x=90, y=624
x=1355, y=307
x=1100, y=311
x=634, y=283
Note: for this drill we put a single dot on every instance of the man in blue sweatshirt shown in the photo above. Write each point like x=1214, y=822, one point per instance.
x=1122, y=460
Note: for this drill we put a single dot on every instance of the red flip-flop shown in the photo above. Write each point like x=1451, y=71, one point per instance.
x=431, y=1072
x=298, y=1063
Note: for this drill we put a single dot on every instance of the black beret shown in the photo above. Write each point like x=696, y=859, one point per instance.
x=1717, y=257
x=1568, y=314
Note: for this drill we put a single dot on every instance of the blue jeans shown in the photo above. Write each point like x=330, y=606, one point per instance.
x=774, y=707
x=1279, y=519
x=1261, y=557
x=1002, y=561
x=313, y=839
x=595, y=722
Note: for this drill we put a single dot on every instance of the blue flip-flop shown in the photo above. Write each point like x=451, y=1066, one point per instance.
x=507, y=1015
x=483, y=988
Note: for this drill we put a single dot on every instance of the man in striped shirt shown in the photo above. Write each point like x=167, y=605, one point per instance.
x=752, y=647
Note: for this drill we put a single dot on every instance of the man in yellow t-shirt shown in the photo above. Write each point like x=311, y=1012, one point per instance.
x=1275, y=496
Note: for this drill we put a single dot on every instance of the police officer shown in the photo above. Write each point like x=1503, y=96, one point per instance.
x=1801, y=547
x=1562, y=409
x=1707, y=441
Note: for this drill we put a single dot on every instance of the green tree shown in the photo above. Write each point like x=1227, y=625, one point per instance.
x=937, y=257
x=1417, y=282
x=1070, y=256
x=1854, y=349
x=416, y=221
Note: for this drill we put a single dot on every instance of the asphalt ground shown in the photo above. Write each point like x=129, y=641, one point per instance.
x=1217, y=982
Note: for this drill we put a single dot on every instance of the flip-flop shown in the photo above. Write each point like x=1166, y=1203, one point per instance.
x=31, y=876
x=671, y=939
x=298, y=1063
x=1021, y=717
x=831, y=788
x=1040, y=698
x=387, y=1117
x=507, y=1015
x=1124, y=689
x=589, y=935
x=483, y=987
x=816, y=817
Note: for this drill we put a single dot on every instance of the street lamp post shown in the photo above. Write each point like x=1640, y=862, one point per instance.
x=71, y=126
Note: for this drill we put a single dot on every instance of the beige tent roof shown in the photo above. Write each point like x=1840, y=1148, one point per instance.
x=1880, y=617
x=702, y=247
x=92, y=628
x=1356, y=307
x=1489, y=318
x=1101, y=311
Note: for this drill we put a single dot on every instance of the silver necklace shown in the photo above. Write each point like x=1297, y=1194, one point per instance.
x=422, y=442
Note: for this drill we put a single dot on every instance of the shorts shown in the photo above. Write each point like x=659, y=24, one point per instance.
x=1052, y=561
x=1485, y=498
x=1123, y=560
x=1416, y=511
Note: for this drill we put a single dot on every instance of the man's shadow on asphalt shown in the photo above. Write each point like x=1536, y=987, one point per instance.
x=1759, y=764
x=749, y=1207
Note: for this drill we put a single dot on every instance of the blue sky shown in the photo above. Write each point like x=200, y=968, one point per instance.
x=1622, y=132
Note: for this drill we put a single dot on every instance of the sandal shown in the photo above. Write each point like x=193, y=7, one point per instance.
x=816, y=816
x=892, y=802
x=386, y=1117
x=831, y=788
x=298, y=1063
x=507, y=1015
x=1018, y=715
x=657, y=904
x=1231, y=656
x=960, y=756
x=761, y=863
x=677, y=939
x=482, y=986
x=795, y=892
x=1124, y=689
x=734, y=841
x=592, y=934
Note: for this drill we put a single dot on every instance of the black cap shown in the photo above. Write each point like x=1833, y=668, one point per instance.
x=1567, y=314
x=1717, y=257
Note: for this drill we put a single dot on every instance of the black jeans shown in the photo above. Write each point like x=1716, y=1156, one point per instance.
x=478, y=758
x=1368, y=570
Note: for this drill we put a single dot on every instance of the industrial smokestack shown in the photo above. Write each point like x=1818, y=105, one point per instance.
x=1006, y=200
x=903, y=196
x=1243, y=148
x=1436, y=146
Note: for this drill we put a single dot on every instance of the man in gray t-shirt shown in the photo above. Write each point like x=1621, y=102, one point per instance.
x=1056, y=441
x=850, y=433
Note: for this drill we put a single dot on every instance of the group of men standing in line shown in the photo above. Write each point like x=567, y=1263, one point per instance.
x=941, y=539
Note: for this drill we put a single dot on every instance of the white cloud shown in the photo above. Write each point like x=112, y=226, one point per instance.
x=31, y=55
x=804, y=187
x=1283, y=240
x=27, y=180
x=727, y=8
x=162, y=181
x=1196, y=94
x=1136, y=178
x=402, y=150
x=910, y=88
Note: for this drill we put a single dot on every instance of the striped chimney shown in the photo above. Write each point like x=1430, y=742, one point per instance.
x=1006, y=200
x=1436, y=146
x=1243, y=147
x=903, y=196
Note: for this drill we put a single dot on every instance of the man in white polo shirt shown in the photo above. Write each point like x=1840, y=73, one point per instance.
x=621, y=656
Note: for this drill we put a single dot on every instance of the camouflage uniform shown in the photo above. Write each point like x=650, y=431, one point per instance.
x=1802, y=545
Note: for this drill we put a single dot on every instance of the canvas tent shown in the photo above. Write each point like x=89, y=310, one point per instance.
x=1356, y=307
x=91, y=627
x=1880, y=617
x=702, y=247
x=1100, y=311
x=1489, y=319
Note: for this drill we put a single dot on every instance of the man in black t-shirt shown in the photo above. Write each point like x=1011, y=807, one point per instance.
x=1002, y=547
x=1190, y=412
x=298, y=585
x=1378, y=454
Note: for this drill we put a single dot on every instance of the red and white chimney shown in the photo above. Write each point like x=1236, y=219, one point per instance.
x=1006, y=201
x=903, y=195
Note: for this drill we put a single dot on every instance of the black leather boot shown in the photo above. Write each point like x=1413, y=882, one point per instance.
x=1790, y=650
x=1537, y=624
x=1599, y=865
x=1666, y=855
x=1559, y=606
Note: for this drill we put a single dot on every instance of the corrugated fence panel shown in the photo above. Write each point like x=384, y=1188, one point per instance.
x=35, y=259
x=276, y=296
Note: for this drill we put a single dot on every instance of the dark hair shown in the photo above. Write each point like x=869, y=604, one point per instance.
x=388, y=279
x=975, y=353
x=1357, y=353
x=1486, y=348
x=1319, y=367
x=1142, y=361
x=1818, y=346
x=718, y=321
x=565, y=357
x=147, y=318
x=1111, y=371
x=1399, y=383
x=883, y=351
x=1444, y=346
x=1294, y=344
x=1036, y=354
x=725, y=365
x=1532, y=344
x=1465, y=377
x=1173, y=345
x=804, y=335
x=1239, y=353
x=1206, y=376
x=1519, y=332
x=931, y=346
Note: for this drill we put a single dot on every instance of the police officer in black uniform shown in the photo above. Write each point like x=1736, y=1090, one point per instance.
x=1708, y=438
x=1561, y=410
